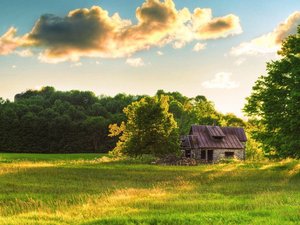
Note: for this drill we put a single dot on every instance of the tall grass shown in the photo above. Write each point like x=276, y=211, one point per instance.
x=85, y=190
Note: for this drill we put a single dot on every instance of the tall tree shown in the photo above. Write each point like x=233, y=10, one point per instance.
x=275, y=102
x=188, y=111
x=150, y=129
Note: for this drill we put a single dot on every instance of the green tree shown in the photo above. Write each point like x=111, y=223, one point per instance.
x=253, y=147
x=188, y=111
x=275, y=102
x=150, y=129
x=232, y=120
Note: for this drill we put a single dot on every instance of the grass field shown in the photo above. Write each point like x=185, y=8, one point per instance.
x=85, y=189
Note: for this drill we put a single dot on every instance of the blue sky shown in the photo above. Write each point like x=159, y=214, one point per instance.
x=224, y=67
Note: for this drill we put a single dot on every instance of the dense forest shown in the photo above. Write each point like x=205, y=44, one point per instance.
x=51, y=121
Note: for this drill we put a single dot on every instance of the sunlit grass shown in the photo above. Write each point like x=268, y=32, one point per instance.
x=86, y=189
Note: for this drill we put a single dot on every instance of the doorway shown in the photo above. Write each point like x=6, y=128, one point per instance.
x=210, y=154
x=203, y=155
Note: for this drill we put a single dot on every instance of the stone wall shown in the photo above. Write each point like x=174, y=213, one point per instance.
x=219, y=154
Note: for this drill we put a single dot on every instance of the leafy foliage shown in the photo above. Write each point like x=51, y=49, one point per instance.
x=150, y=129
x=55, y=121
x=254, y=151
x=197, y=110
x=275, y=102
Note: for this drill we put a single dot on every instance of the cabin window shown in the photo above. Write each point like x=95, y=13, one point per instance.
x=203, y=154
x=188, y=153
x=229, y=154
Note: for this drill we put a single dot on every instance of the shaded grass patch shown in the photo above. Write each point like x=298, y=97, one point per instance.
x=85, y=190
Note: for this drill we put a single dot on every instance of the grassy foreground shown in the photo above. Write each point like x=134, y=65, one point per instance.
x=83, y=189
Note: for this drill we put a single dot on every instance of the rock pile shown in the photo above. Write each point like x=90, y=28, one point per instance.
x=176, y=161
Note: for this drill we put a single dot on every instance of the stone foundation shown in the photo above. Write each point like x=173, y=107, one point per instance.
x=220, y=154
x=217, y=154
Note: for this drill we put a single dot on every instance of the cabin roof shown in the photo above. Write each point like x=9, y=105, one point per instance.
x=215, y=131
x=214, y=137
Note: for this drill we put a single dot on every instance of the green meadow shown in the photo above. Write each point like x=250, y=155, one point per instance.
x=95, y=189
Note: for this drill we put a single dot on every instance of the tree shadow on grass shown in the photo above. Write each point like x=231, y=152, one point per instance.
x=56, y=187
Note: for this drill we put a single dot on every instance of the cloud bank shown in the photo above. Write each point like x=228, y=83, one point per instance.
x=135, y=62
x=271, y=42
x=199, y=46
x=221, y=81
x=94, y=33
x=9, y=42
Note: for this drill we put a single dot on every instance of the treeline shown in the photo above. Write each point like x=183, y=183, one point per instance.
x=275, y=103
x=50, y=121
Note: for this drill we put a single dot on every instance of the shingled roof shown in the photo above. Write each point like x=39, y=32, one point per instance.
x=214, y=137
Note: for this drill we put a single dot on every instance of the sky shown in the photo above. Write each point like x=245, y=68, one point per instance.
x=216, y=48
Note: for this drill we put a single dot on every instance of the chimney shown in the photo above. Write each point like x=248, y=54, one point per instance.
x=214, y=123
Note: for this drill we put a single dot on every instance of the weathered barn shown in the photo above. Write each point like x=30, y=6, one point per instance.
x=212, y=143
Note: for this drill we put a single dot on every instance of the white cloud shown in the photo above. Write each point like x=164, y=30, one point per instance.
x=270, y=42
x=76, y=64
x=13, y=66
x=221, y=81
x=239, y=61
x=220, y=27
x=9, y=42
x=261, y=45
x=199, y=46
x=178, y=44
x=160, y=53
x=135, y=62
x=24, y=53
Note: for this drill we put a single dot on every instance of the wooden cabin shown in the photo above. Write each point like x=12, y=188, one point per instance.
x=209, y=144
